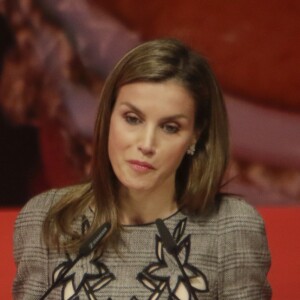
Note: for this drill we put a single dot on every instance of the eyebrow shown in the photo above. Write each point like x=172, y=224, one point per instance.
x=138, y=111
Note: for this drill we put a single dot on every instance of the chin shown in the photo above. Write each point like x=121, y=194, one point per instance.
x=137, y=186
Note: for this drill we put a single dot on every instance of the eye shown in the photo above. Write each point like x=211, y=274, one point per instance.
x=132, y=119
x=170, y=128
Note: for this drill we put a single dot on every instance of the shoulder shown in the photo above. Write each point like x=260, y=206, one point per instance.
x=38, y=206
x=29, y=223
x=30, y=252
x=241, y=229
x=234, y=205
x=235, y=212
x=243, y=253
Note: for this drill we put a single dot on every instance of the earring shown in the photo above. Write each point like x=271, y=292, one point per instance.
x=191, y=150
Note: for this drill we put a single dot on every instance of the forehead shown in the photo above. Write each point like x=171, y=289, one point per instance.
x=166, y=96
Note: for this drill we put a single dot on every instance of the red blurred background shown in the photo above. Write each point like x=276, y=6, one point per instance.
x=252, y=45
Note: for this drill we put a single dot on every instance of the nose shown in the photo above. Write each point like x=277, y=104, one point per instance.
x=147, y=144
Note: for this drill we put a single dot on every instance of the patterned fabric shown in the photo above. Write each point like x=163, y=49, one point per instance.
x=224, y=254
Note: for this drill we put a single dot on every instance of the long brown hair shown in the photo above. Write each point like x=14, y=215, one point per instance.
x=198, y=178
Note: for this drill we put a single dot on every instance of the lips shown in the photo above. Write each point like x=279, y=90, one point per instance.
x=140, y=165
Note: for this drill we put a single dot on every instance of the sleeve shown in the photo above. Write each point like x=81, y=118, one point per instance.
x=244, y=257
x=30, y=253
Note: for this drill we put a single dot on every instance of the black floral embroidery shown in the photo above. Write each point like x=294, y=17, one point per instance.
x=77, y=279
x=164, y=279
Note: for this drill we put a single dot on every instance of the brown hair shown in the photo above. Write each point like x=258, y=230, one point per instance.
x=198, y=177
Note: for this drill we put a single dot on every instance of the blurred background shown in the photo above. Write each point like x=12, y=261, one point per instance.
x=55, y=55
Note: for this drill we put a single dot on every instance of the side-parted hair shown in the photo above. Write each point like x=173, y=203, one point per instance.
x=198, y=178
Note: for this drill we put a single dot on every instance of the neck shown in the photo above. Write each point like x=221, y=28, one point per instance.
x=142, y=207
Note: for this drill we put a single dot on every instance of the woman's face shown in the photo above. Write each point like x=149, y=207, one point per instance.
x=151, y=127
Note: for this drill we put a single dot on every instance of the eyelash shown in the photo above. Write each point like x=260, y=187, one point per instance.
x=170, y=129
x=132, y=119
x=135, y=120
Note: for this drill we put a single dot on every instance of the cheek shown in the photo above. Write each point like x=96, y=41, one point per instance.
x=116, y=140
x=175, y=154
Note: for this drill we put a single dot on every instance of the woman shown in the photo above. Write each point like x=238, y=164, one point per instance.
x=160, y=151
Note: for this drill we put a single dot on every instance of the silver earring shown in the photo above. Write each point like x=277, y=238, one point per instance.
x=191, y=150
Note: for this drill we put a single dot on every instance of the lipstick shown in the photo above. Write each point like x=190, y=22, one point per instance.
x=140, y=166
